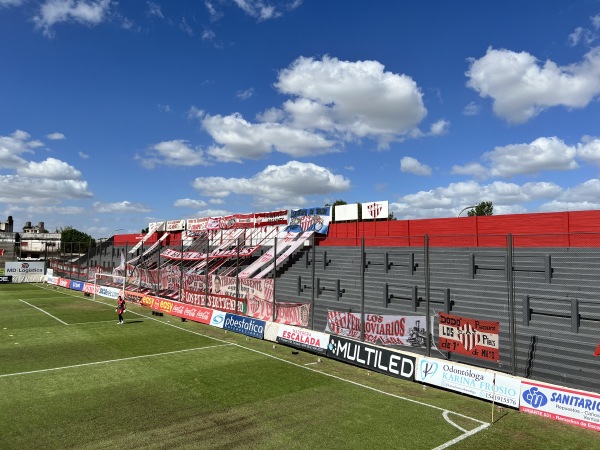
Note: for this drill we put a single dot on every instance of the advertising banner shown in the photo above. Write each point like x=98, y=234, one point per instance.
x=76, y=285
x=5, y=279
x=386, y=329
x=383, y=360
x=271, y=331
x=304, y=339
x=471, y=337
x=481, y=383
x=108, y=292
x=309, y=219
x=244, y=325
x=561, y=404
x=218, y=319
x=24, y=268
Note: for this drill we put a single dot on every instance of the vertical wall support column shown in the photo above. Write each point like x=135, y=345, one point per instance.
x=510, y=285
x=312, y=293
x=362, y=289
x=427, y=296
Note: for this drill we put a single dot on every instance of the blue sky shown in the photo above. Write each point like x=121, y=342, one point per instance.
x=117, y=114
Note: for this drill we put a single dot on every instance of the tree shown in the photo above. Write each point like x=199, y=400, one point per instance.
x=483, y=209
x=75, y=241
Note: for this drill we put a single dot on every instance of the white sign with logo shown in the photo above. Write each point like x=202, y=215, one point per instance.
x=375, y=210
x=564, y=405
x=487, y=384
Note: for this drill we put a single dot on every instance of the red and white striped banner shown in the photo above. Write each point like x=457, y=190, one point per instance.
x=472, y=337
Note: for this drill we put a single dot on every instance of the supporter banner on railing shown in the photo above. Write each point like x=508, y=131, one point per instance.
x=378, y=359
x=481, y=383
x=260, y=289
x=265, y=219
x=386, y=329
x=285, y=312
x=312, y=341
x=225, y=303
x=175, y=225
x=310, y=219
x=561, y=404
x=375, y=210
x=471, y=337
x=197, y=224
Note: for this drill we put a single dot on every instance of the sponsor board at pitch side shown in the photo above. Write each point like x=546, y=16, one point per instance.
x=561, y=404
x=480, y=383
x=396, y=364
x=312, y=341
x=244, y=325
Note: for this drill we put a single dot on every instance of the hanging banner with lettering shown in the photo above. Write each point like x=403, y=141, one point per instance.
x=471, y=337
x=264, y=219
x=309, y=219
x=285, y=312
x=385, y=329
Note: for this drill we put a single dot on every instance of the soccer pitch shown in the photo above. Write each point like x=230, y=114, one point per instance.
x=70, y=377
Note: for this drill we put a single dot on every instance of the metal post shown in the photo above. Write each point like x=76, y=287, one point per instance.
x=206, y=269
x=312, y=292
x=427, y=296
x=511, y=303
x=237, y=277
x=362, y=288
x=181, y=270
x=273, y=312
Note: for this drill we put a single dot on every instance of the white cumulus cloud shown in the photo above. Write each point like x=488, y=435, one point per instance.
x=521, y=86
x=412, y=165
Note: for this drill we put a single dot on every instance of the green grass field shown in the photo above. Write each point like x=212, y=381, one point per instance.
x=70, y=377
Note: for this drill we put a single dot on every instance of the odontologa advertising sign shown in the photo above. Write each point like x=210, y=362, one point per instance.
x=383, y=360
x=486, y=384
x=471, y=337
x=387, y=329
x=564, y=405
x=312, y=341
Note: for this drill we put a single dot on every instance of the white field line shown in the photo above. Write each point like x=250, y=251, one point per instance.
x=45, y=312
x=445, y=412
x=112, y=361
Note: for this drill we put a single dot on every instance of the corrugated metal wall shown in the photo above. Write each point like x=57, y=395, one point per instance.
x=556, y=297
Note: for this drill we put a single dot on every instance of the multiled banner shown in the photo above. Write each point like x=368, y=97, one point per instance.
x=388, y=362
x=471, y=337
x=244, y=325
x=561, y=404
x=486, y=384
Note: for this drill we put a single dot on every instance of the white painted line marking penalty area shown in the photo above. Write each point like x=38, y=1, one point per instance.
x=45, y=312
x=95, y=363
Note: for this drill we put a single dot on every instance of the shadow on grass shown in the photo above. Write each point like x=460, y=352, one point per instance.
x=132, y=321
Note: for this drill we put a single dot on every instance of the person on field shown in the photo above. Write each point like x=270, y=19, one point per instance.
x=120, y=309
